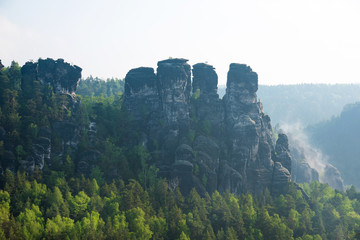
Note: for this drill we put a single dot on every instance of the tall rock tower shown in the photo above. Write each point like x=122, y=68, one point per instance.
x=201, y=140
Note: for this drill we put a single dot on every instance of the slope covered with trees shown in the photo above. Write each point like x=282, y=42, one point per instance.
x=106, y=187
x=58, y=207
x=95, y=87
x=338, y=138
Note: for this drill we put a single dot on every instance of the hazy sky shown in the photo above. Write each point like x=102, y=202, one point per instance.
x=284, y=41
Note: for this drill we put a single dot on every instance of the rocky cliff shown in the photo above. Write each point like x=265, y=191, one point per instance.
x=62, y=78
x=199, y=140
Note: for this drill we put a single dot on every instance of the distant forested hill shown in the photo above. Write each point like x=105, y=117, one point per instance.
x=95, y=87
x=339, y=138
x=305, y=103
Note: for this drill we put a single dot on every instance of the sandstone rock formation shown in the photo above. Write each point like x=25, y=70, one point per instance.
x=201, y=140
x=63, y=78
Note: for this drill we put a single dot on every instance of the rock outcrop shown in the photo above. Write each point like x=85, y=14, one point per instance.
x=201, y=140
x=301, y=153
x=63, y=79
x=333, y=177
x=282, y=153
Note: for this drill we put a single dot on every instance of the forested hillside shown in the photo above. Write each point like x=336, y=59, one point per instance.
x=339, y=139
x=94, y=183
x=95, y=87
x=305, y=103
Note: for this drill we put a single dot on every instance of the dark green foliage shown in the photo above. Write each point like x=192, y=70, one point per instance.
x=121, y=197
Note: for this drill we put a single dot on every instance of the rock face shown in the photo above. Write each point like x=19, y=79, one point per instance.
x=63, y=78
x=333, y=177
x=282, y=151
x=301, y=153
x=203, y=141
x=174, y=78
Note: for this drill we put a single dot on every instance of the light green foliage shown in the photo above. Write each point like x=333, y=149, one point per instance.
x=293, y=219
x=196, y=94
x=249, y=212
x=34, y=192
x=92, y=226
x=4, y=207
x=230, y=234
x=95, y=87
x=137, y=224
x=121, y=226
x=32, y=223
x=59, y=228
x=57, y=204
x=183, y=236
x=78, y=204
x=130, y=212
x=159, y=227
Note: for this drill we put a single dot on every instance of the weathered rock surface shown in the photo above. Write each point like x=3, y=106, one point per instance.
x=203, y=141
x=63, y=78
x=333, y=177
x=142, y=96
x=174, y=78
x=282, y=153
x=280, y=179
x=207, y=109
x=303, y=173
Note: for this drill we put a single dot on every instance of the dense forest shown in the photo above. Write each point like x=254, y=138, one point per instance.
x=120, y=195
x=91, y=86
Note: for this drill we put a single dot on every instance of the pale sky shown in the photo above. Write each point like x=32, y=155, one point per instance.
x=284, y=41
